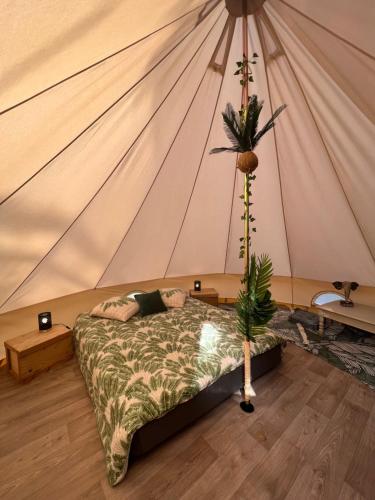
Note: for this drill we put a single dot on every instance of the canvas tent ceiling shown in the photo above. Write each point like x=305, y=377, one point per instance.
x=108, y=112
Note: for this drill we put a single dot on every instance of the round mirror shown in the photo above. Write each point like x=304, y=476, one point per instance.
x=322, y=298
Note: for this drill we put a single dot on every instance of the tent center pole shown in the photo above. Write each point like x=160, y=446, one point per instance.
x=246, y=404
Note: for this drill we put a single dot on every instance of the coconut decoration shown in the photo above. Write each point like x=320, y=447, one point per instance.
x=247, y=162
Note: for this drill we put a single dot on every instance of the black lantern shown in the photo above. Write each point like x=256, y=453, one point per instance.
x=197, y=286
x=45, y=321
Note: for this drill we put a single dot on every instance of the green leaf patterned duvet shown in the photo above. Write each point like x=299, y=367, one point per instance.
x=139, y=370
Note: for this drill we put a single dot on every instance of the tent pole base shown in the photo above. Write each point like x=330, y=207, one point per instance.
x=247, y=406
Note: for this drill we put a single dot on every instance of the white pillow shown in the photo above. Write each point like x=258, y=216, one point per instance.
x=120, y=307
x=173, y=297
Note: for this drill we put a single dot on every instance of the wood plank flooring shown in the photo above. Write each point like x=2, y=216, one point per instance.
x=312, y=436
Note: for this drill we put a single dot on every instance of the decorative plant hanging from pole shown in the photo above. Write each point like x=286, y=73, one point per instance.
x=255, y=306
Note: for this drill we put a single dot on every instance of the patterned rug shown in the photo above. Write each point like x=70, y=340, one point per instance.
x=345, y=347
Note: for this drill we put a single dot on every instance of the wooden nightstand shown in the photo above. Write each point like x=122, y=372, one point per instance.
x=208, y=295
x=37, y=351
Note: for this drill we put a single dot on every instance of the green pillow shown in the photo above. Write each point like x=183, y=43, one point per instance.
x=150, y=303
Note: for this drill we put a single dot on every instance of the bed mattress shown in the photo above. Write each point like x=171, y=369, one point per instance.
x=137, y=371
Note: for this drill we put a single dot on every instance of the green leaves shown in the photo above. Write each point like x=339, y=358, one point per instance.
x=232, y=125
x=245, y=70
x=252, y=116
x=269, y=125
x=264, y=275
x=221, y=150
x=255, y=306
x=241, y=127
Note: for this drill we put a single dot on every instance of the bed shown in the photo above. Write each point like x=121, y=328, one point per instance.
x=150, y=376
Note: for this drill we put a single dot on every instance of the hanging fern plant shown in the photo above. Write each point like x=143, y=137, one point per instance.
x=241, y=129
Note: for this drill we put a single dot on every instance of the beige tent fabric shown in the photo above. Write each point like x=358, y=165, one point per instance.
x=346, y=130
x=44, y=42
x=67, y=110
x=84, y=165
x=107, y=116
x=351, y=69
x=313, y=195
x=348, y=20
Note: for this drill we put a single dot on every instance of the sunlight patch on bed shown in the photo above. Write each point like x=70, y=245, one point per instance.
x=208, y=336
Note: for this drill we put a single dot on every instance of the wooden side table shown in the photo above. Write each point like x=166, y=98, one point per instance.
x=208, y=295
x=36, y=351
x=360, y=315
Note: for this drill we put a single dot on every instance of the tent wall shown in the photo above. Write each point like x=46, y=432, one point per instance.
x=107, y=116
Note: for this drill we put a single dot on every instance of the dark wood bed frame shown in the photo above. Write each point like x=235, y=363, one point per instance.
x=157, y=431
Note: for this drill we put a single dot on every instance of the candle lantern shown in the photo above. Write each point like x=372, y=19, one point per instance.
x=45, y=321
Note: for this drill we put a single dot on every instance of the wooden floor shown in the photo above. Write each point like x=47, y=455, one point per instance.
x=312, y=436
